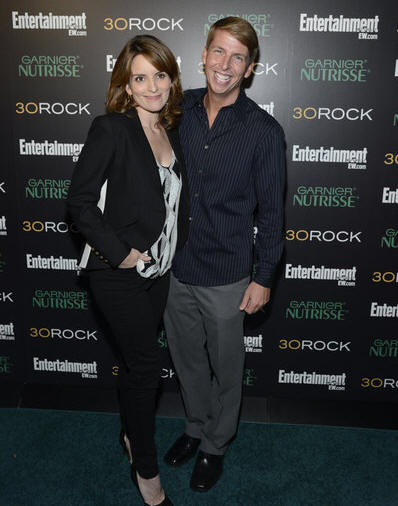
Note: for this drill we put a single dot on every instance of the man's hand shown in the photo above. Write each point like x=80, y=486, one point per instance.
x=132, y=258
x=255, y=297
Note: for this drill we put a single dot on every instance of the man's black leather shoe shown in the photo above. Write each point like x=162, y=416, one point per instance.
x=207, y=471
x=182, y=450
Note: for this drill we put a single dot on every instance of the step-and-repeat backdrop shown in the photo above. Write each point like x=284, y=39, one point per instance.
x=328, y=72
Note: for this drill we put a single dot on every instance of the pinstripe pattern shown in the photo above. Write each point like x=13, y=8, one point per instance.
x=234, y=169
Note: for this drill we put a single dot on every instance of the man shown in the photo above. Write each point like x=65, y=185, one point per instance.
x=234, y=153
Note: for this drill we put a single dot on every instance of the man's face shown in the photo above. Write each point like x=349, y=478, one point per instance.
x=227, y=63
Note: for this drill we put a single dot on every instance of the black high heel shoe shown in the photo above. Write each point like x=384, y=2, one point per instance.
x=133, y=473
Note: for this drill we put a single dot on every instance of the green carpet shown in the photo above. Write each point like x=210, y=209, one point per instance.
x=65, y=458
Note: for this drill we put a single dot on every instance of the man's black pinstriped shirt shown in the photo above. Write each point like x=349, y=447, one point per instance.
x=235, y=168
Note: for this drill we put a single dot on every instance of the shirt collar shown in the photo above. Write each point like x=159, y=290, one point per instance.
x=195, y=98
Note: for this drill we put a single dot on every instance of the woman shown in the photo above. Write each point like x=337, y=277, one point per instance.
x=127, y=192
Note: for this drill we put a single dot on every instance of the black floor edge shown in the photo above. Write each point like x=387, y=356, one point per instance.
x=378, y=415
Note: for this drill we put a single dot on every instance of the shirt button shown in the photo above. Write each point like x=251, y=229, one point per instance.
x=196, y=195
x=200, y=171
x=190, y=218
x=207, y=146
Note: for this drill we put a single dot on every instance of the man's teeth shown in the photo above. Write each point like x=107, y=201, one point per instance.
x=221, y=77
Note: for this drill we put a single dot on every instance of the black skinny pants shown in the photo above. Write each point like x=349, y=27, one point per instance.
x=133, y=307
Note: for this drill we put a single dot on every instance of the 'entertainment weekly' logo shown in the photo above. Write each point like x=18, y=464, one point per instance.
x=325, y=196
x=5, y=365
x=330, y=70
x=313, y=345
x=316, y=310
x=253, y=344
x=332, y=381
x=49, y=148
x=53, y=109
x=268, y=107
x=64, y=334
x=144, y=24
x=384, y=348
x=7, y=332
x=367, y=28
x=49, y=66
x=390, y=238
x=37, y=188
x=335, y=114
x=51, y=263
x=87, y=370
x=354, y=158
x=327, y=236
x=57, y=299
x=383, y=310
x=2, y=262
x=75, y=25
x=343, y=276
x=260, y=22
x=3, y=225
x=389, y=196
x=110, y=61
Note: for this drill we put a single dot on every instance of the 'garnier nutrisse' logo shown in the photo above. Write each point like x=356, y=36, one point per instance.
x=384, y=348
x=38, y=188
x=316, y=310
x=249, y=377
x=325, y=196
x=49, y=66
x=354, y=158
x=389, y=239
x=60, y=299
x=5, y=365
x=75, y=25
x=260, y=22
x=366, y=28
x=328, y=69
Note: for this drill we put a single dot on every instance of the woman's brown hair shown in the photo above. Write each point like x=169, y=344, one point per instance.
x=160, y=56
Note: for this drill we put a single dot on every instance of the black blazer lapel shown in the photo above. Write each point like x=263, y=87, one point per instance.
x=147, y=154
x=175, y=144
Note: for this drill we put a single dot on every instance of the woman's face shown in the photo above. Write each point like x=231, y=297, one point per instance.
x=149, y=87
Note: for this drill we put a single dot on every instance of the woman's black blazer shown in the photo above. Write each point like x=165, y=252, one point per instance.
x=117, y=151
